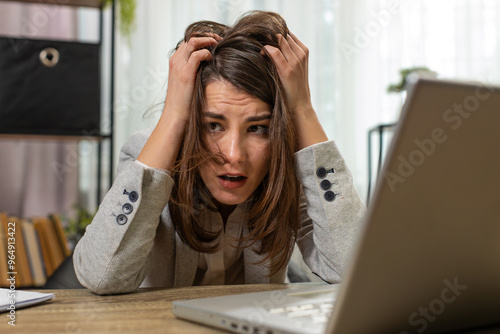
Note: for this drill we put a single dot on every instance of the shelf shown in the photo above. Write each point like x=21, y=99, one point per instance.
x=75, y=3
x=51, y=137
x=69, y=135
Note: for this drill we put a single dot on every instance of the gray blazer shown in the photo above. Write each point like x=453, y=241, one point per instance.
x=132, y=240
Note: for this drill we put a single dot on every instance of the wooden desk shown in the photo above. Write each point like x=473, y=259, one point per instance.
x=144, y=311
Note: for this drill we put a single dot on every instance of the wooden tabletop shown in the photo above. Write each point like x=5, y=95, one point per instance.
x=143, y=311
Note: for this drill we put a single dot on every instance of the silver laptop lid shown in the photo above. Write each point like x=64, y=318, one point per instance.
x=428, y=259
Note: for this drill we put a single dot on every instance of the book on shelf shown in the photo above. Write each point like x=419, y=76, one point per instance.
x=33, y=250
x=51, y=250
x=3, y=254
x=37, y=223
x=40, y=248
x=16, y=251
x=55, y=250
x=61, y=236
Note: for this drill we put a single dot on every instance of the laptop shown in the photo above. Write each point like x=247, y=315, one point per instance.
x=428, y=257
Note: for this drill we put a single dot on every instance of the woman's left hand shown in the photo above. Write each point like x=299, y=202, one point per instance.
x=291, y=60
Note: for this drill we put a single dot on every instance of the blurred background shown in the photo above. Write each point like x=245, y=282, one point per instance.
x=357, y=50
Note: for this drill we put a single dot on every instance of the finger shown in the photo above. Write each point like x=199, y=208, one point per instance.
x=287, y=51
x=205, y=34
x=196, y=43
x=196, y=58
x=216, y=37
x=299, y=43
x=297, y=50
x=278, y=58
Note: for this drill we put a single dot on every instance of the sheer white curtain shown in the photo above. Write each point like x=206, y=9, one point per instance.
x=375, y=39
x=357, y=49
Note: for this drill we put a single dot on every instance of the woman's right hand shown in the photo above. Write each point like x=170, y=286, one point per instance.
x=162, y=147
x=183, y=66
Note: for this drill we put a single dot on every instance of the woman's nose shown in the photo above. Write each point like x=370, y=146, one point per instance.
x=234, y=149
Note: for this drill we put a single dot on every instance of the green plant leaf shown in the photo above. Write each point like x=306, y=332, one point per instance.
x=401, y=85
x=126, y=15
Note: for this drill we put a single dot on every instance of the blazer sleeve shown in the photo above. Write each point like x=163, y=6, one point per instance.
x=330, y=213
x=114, y=255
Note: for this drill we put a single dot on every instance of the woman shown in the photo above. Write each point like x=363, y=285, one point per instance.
x=236, y=171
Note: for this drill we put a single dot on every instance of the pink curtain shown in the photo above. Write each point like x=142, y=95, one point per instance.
x=37, y=177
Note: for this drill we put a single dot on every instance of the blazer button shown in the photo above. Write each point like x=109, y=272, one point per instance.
x=133, y=196
x=127, y=208
x=330, y=196
x=321, y=172
x=325, y=184
x=121, y=219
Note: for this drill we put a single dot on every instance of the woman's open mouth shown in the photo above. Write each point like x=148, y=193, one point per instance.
x=232, y=181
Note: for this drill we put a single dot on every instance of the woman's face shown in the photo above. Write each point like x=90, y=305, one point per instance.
x=238, y=125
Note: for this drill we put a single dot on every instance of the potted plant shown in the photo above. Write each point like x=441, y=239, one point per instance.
x=76, y=226
x=404, y=73
x=126, y=15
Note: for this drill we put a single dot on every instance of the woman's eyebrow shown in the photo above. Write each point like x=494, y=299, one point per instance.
x=214, y=115
x=258, y=118
x=248, y=119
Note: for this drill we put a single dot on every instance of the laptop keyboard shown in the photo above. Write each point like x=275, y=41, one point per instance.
x=318, y=313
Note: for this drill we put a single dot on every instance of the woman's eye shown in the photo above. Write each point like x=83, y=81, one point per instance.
x=214, y=127
x=259, y=129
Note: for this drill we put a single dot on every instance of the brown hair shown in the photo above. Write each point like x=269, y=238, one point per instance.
x=273, y=214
